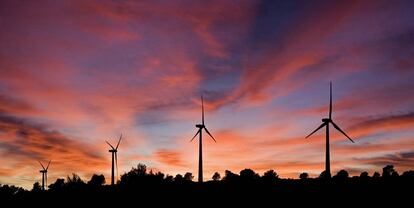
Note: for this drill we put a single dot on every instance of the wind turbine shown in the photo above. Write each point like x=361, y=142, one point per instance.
x=44, y=174
x=325, y=123
x=114, y=151
x=200, y=140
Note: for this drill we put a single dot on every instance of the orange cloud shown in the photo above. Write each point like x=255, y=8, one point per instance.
x=169, y=158
x=23, y=143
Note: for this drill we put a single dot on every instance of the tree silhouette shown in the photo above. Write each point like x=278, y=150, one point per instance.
x=341, y=175
x=158, y=176
x=216, y=176
x=74, y=182
x=141, y=170
x=304, y=176
x=388, y=171
x=248, y=174
x=188, y=176
x=364, y=175
x=230, y=176
x=324, y=175
x=169, y=178
x=376, y=175
x=408, y=174
x=135, y=176
x=178, y=178
x=75, y=179
x=97, y=180
x=36, y=187
x=57, y=185
x=270, y=175
x=6, y=190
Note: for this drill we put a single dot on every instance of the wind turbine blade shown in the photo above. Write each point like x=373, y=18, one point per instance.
x=339, y=129
x=202, y=110
x=118, y=142
x=322, y=125
x=195, y=135
x=41, y=165
x=48, y=164
x=110, y=145
x=210, y=134
x=116, y=165
x=330, y=100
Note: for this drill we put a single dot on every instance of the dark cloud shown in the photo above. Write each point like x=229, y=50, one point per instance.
x=400, y=160
x=391, y=120
x=22, y=138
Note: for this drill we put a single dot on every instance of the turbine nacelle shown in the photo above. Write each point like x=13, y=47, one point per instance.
x=200, y=126
x=326, y=120
x=113, y=150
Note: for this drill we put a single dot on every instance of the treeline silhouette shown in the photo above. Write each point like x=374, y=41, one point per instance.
x=141, y=184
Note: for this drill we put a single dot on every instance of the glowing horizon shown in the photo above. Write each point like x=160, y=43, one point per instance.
x=76, y=73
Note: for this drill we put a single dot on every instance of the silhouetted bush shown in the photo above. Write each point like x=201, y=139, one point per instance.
x=6, y=190
x=57, y=185
x=408, y=174
x=388, y=171
x=178, y=178
x=304, y=176
x=270, y=176
x=36, y=187
x=169, y=178
x=324, y=175
x=341, y=175
x=134, y=176
x=216, y=176
x=248, y=175
x=188, y=176
x=364, y=175
x=97, y=180
x=230, y=176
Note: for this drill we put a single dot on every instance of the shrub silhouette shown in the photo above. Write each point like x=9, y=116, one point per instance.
x=36, y=187
x=408, y=174
x=178, y=178
x=270, y=176
x=341, y=175
x=230, y=176
x=188, y=176
x=216, y=176
x=389, y=171
x=324, y=175
x=364, y=175
x=248, y=175
x=57, y=185
x=304, y=176
x=97, y=180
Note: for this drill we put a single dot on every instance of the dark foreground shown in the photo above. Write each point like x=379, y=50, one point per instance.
x=310, y=191
x=138, y=188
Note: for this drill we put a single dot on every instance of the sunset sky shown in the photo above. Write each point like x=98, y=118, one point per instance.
x=76, y=73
